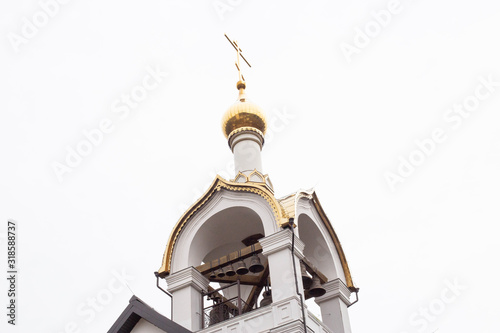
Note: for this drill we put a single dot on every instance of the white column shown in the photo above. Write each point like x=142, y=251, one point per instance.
x=246, y=147
x=333, y=306
x=186, y=287
x=277, y=247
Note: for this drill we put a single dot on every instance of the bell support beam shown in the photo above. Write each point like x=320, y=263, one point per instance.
x=251, y=300
x=233, y=258
x=246, y=253
x=249, y=280
x=313, y=270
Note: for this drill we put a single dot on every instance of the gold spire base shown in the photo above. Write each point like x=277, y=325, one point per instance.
x=240, y=85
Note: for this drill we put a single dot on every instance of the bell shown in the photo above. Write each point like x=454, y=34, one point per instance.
x=316, y=289
x=268, y=298
x=241, y=268
x=219, y=313
x=306, y=279
x=255, y=265
x=230, y=271
x=220, y=273
x=212, y=275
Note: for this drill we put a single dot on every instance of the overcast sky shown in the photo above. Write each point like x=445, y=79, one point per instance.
x=110, y=128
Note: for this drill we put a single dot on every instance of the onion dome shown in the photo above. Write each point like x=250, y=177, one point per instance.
x=243, y=116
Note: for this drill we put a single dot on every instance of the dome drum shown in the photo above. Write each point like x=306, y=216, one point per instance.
x=245, y=133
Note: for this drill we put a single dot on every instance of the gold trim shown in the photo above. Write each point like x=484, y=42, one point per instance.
x=311, y=195
x=246, y=128
x=234, y=134
x=336, y=241
x=218, y=184
x=258, y=174
x=265, y=181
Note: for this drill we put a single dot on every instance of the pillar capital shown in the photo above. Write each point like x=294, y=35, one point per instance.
x=188, y=277
x=281, y=240
x=335, y=288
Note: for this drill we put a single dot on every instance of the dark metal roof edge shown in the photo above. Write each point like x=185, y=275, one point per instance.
x=140, y=308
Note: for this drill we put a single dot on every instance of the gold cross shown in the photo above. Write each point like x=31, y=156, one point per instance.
x=238, y=54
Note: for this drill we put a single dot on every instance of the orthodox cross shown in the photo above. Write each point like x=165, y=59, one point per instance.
x=238, y=54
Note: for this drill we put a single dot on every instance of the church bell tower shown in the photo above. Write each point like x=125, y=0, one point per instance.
x=242, y=260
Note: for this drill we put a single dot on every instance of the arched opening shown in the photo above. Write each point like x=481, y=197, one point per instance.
x=223, y=233
x=316, y=250
x=218, y=223
x=316, y=247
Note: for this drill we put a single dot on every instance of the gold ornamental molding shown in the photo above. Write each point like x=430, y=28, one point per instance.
x=336, y=241
x=255, y=177
x=219, y=183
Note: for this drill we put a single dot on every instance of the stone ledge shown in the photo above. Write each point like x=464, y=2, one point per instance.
x=185, y=278
x=281, y=240
x=335, y=288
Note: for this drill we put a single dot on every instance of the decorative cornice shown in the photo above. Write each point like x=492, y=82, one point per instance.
x=189, y=277
x=254, y=177
x=245, y=130
x=281, y=240
x=335, y=288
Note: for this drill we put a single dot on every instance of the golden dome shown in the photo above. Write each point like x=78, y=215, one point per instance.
x=243, y=114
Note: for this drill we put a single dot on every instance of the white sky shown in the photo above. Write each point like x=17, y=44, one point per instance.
x=351, y=122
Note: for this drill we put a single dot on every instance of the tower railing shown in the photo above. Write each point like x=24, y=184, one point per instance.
x=223, y=308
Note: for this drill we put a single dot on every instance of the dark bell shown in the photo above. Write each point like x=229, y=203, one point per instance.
x=268, y=299
x=220, y=273
x=230, y=271
x=316, y=289
x=212, y=275
x=306, y=279
x=241, y=268
x=218, y=314
x=255, y=265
